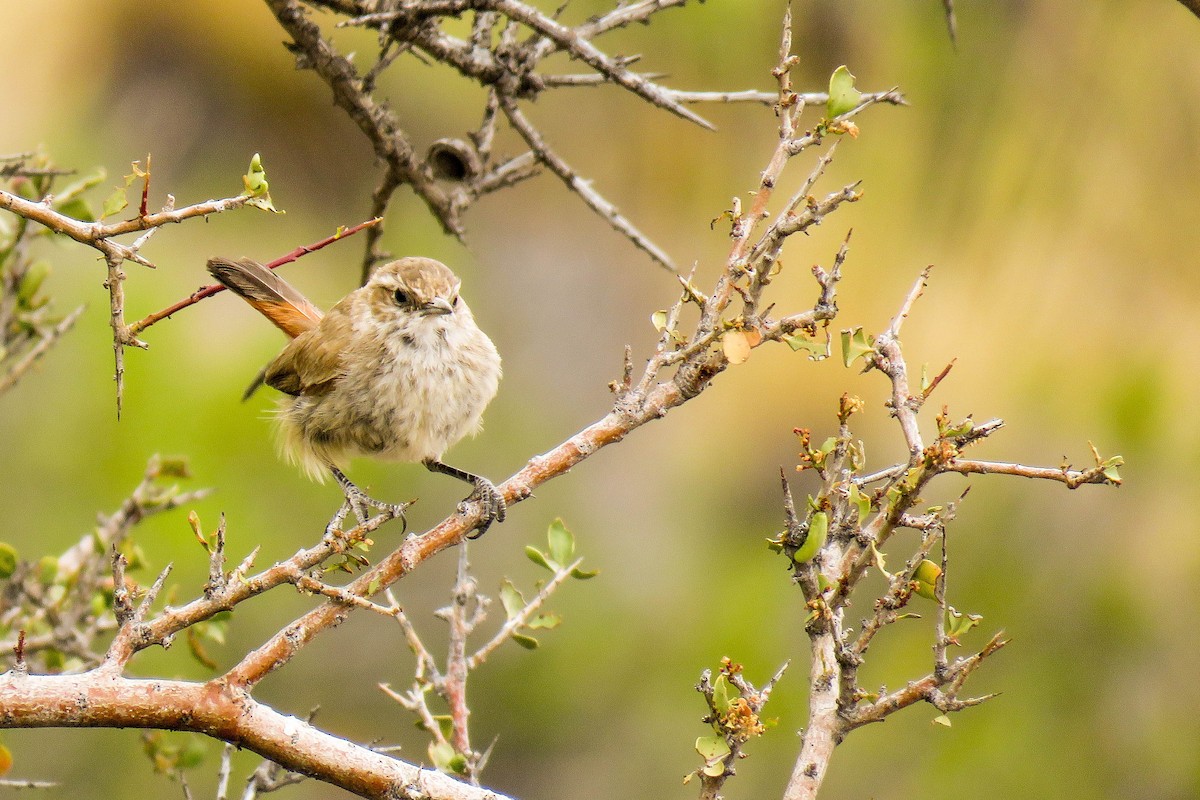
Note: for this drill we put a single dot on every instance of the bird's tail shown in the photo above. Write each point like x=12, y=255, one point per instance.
x=271, y=295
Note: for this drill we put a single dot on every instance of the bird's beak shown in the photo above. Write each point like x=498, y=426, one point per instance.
x=438, y=305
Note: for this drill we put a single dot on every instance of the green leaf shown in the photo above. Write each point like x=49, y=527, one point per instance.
x=1110, y=470
x=562, y=542
x=798, y=341
x=843, y=96
x=77, y=208
x=511, y=598
x=54, y=659
x=8, y=560
x=47, y=570
x=31, y=282
x=723, y=694
x=257, y=187
x=192, y=754
x=926, y=576
x=941, y=719
x=856, y=344
x=446, y=758
x=118, y=200
x=958, y=623
x=584, y=574
x=860, y=501
x=528, y=642
x=173, y=467
x=255, y=179
x=115, y=202
x=545, y=621
x=659, y=319
x=73, y=190
x=713, y=749
x=878, y=558
x=539, y=558
x=818, y=531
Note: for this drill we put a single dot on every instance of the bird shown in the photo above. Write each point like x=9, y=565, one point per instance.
x=397, y=370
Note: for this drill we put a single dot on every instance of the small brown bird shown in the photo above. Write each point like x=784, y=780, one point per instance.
x=397, y=370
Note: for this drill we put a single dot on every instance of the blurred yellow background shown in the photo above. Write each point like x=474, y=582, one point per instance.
x=1049, y=169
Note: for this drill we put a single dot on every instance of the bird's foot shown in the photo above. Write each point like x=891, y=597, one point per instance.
x=494, y=507
x=361, y=504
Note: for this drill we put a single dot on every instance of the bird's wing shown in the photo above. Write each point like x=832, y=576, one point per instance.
x=313, y=360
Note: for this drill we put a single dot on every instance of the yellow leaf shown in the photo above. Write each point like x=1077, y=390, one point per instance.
x=737, y=346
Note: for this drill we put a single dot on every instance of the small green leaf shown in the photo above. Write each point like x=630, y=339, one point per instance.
x=713, y=749
x=194, y=521
x=562, y=542
x=843, y=96
x=77, y=208
x=173, y=467
x=818, y=531
x=8, y=560
x=958, y=623
x=723, y=694
x=878, y=558
x=47, y=570
x=118, y=200
x=115, y=202
x=539, y=558
x=511, y=598
x=860, y=501
x=31, y=282
x=192, y=754
x=584, y=574
x=545, y=621
x=1110, y=468
x=54, y=659
x=73, y=190
x=255, y=179
x=445, y=758
x=798, y=341
x=855, y=344
x=528, y=642
x=941, y=719
x=659, y=320
x=257, y=187
x=926, y=576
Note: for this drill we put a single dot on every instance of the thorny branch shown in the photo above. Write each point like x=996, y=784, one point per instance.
x=102, y=236
x=510, y=40
x=854, y=523
x=451, y=747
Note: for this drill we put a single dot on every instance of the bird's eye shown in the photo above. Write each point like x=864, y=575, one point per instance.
x=455, y=301
x=402, y=297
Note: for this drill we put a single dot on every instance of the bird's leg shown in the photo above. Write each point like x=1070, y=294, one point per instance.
x=362, y=503
x=494, y=507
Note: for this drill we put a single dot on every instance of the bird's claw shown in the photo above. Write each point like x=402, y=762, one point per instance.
x=494, y=507
x=361, y=504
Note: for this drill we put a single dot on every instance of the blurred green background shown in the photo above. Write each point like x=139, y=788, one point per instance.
x=1050, y=169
